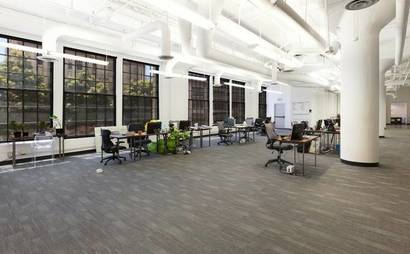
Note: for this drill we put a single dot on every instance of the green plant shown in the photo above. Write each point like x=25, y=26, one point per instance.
x=42, y=126
x=56, y=121
x=14, y=126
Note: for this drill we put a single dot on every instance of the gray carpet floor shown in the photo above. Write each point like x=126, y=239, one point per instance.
x=216, y=200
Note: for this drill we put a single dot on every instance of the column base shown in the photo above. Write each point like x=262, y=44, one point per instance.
x=360, y=164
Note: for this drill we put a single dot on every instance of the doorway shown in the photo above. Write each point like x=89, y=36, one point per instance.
x=279, y=115
x=398, y=113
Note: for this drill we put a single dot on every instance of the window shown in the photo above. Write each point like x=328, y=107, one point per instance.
x=221, y=102
x=262, y=103
x=25, y=88
x=140, y=92
x=238, y=102
x=198, y=102
x=89, y=94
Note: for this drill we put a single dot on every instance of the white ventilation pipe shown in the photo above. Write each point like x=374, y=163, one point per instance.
x=165, y=37
x=360, y=32
x=385, y=64
x=52, y=35
x=287, y=10
x=402, y=14
x=185, y=31
x=217, y=80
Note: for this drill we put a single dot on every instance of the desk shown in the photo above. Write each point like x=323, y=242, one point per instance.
x=245, y=129
x=201, y=130
x=132, y=136
x=328, y=144
x=295, y=144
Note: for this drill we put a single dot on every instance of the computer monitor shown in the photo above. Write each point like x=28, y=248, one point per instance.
x=297, y=131
x=319, y=125
x=152, y=126
x=184, y=125
x=327, y=122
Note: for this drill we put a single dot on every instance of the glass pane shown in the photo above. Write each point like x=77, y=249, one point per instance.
x=69, y=71
x=3, y=79
x=44, y=83
x=15, y=64
x=3, y=63
x=30, y=82
x=100, y=75
x=69, y=85
x=99, y=88
x=44, y=68
x=15, y=106
x=15, y=80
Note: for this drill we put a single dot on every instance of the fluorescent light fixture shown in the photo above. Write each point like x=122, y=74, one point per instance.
x=240, y=86
x=183, y=12
x=20, y=47
x=52, y=54
x=176, y=75
x=79, y=58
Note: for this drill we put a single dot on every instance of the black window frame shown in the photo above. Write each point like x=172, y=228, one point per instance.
x=138, y=97
x=196, y=102
x=238, y=101
x=262, y=110
x=24, y=91
x=219, y=102
x=109, y=58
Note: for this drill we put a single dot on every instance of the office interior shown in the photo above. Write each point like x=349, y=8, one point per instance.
x=204, y=126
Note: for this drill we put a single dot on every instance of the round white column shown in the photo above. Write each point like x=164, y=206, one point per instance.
x=360, y=83
x=385, y=64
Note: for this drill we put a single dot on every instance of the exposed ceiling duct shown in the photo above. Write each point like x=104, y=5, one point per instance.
x=165, y=37
x=293, y=17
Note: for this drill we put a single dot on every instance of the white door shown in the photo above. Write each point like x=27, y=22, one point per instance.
x=279, y=115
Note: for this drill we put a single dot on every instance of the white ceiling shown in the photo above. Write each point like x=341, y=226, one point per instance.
x=120, y=16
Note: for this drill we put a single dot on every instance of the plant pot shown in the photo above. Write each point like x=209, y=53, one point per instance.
x=25, y=134
x=17, y=134
x=60, y=132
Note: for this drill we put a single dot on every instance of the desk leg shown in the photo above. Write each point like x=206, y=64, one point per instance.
x=209, y=137
x=59, y=148
x=166, y=144
x=201, y=138
x=315, y=152
x=294, y=155
x=13, y=154
x=62, y=144
x=157, y=143
x=303, y=159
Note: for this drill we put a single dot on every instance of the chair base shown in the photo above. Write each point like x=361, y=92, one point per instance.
x=112, y=158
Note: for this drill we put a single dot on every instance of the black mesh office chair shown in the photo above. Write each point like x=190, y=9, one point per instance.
x=273, y=144
x=258, y=124
x=108, y=146
x=224, y=134
x=140, y=144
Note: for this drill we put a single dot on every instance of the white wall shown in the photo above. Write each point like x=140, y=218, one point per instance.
x=324, y=104
x=403, y=96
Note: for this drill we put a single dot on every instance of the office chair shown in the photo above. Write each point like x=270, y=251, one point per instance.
x=278, y=147
x=224, y=134
x=140, y=143
x=258, y=124
x=108, y=146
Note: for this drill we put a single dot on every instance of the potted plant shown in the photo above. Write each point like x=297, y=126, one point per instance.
x=16, y=129
x=57, y=125
x=42, y=127
x=23, y=127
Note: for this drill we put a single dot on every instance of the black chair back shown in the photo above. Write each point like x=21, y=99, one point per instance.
x=184, y=125
x=106, y=143
x=153, y=127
